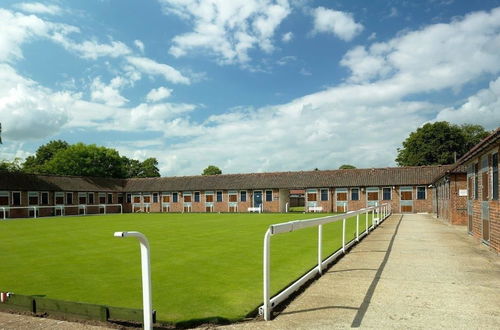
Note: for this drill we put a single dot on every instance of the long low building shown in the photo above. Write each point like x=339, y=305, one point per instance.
x=407, y=189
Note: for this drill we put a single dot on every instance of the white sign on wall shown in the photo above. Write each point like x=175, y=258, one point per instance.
x=462, y=192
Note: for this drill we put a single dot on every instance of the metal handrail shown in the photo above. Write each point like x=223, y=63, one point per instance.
x=383, y=211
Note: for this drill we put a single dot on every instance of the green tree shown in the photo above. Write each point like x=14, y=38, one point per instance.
x=150, y=168
x=13, y=166
x=37, y=162
x=136, y=169
x=87, y=160
x=211, y=170
x=438, y=143
x=346, y=167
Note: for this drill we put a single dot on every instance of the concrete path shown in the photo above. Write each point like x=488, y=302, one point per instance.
x=413, y=272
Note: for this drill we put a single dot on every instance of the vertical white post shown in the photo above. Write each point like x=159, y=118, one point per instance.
x=4, y=213
x=357, y=227
x=343, y=235
x=320, y=249
x=267, y=275
x=147, y=299
x=373, y=218
x=367, y=229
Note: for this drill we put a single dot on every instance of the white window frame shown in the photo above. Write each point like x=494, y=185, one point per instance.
x=59, y=194
x=350, y=195
x=99, y=197
x=82, y=194
x=33, y=194
x=20, y=197
x=199, y=196
x=93, y=198
x=66, y=198
x=265, y=196
x=209, y=193
x=327, y=194
x=232, y=193
x=390, y=192
x=6, y=194
x=425, y=193
x=246, y=196
x=221, y=196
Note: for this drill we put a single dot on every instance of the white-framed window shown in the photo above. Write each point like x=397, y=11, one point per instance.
x=4, y=198
x=44, y=198
x=421, y=192
x=219, y=196
x=209, y=196
x=386, y=193
x=341, y=194
x=197, y=197
x=91, y=198
x=312, y=195
x=355, y=194
x=102, y=198
x=16, y=198
x=232, y=196
x=33, y=198
x=188, y=196
x=324, y=194
x=82, y=198
x=269, y=195
x=69, y=198
x=243, y=195
x=166, y=197
x=59, y=198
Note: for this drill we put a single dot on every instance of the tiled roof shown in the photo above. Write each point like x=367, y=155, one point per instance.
x=21, y=181
x=391, y=176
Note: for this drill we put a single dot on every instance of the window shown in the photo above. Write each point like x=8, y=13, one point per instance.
x=82, y=198
x=59, y=198
x=494, y=181
x=155, y=197
x=187, y=197
x=175, y=197
x=209, y=196
x=476, y=181
x=324, y=194
x=406, y=193
x=341, y=194
x=32, y=198
x=197, y=196
x=386, y=194
x=16, y=198
x=355, y=194
x=233, y=196
x=372, y=194
x=129, y=198
x=420, y=192
x=4, y=198
x=243, y=196
x=311, y=195
x=110, y=198
x=102, y=198
x=91, y=198
x=146, y=198
x=269, y=195
x=165, y=197
x=45, y=198
x=219, y=196
x=69, y=198
x=120, y=198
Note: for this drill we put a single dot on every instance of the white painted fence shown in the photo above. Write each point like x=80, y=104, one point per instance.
x=379, y=214
x=62, y=208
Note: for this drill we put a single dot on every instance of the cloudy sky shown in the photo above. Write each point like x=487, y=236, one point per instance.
x=247, y=85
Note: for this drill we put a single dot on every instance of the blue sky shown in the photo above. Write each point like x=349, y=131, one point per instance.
x=247, y=85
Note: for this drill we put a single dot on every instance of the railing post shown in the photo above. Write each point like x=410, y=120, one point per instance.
x=267, y=275
x=367, y=229
x=4, y=213
x=320, y=249
x=146, y=275
x=373, y=218
x=343, y=235
x=357, y=227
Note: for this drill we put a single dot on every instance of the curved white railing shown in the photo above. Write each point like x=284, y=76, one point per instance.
x=378, y=213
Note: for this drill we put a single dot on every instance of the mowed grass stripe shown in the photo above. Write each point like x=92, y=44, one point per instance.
x=203, y=265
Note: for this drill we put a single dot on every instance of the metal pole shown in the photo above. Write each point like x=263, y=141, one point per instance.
x=4, y=213
x=320, y=251
x=367, y=229
x=343, y=235
x=357, y=227
x=146, y=275
x=373, y=217
x=267, y=275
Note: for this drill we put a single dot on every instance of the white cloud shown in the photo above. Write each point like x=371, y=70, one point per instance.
x=39, y=8
x=140, y=45
x=151, y=67
x=28, y=110
x=16, y=29
x=227, y=29
x=434, y=57
x=340, y=23
x=91, y=49
x=483, y=108
x=286, y=60
x=108, y=94
x=287, y=37
x=158, y=94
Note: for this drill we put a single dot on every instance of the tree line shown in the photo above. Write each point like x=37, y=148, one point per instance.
x=79, y=159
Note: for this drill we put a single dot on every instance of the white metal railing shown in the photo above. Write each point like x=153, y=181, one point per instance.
x=258, y=209
x=378, y=213
x=62, y=208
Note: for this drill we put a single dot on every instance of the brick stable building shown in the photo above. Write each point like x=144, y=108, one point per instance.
x=405, y=188
x=467, y=193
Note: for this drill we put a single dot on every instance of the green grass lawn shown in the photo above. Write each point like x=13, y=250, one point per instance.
x=203, y=265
